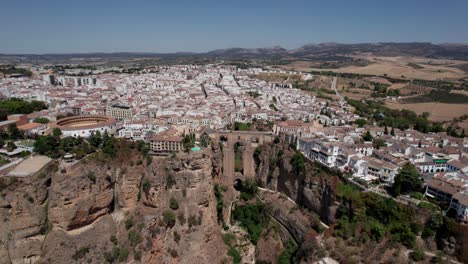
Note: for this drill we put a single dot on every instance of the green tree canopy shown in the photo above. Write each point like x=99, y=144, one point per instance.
x=298, y=164
x=407, y=180
x=367, y=136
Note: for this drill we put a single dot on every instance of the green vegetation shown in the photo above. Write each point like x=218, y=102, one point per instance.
x=170, y=181
x=248, y=189
x=417, y=195
x=92, y=177
x=80, y=253
x=134, y=237
x=173, y=204
x=407, y=180
x=129, y=223
x=256, y=155
x=204, y=141
x=146, y=186
x=415, y=66
x=117, y=254
x=367, y=136
x=12, y=70
x=41, y=120
x=181, y=218
x=192, y=221
x=442, y=96
x=254, y=94
x=381, y=90
x=401, y=119
x=360, y=122
x=417, y=255
x=374, y=217
x=3, y=161
x=297, y=162
x=13, y=133
x=18, y=106
x=287, y=256
x=188, y=142
x=61, y=68
x=55, y=147
x=236, y=257
x=218, y=191
x=378, y=143
x=149, y=160
x=176, y=237
x=242, y=126
x=228, y=238
x=169, y=218
x=113, y=239
x=11, y=146
x=253, y=218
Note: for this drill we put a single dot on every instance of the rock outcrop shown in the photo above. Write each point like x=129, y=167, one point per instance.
x=315, y=190
x=61, y=217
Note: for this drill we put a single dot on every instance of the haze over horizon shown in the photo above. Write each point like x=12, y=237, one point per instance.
x=52, y=26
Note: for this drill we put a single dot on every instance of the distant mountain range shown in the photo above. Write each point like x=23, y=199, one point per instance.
x=323, y=51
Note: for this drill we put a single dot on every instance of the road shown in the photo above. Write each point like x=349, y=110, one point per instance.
x=333, y=87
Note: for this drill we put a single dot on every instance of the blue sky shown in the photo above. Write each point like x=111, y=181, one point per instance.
x=60, y=26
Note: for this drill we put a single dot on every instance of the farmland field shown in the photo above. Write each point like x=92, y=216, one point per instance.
x=438, y=111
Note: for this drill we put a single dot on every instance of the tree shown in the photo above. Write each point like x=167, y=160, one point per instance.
x=248, y=189
x=11, y=146
x=276, y=140
x=417, y=255
x=407, y=180
x=204, y=141
x=109, y=147
x=95, y=139
x=169, y=218
x=3, y=134
x=173, y=204
x=377, y=143
x=297, y=162
x=56, y=132
x=360, y=122
x=14, y=133
x=386, y=130
x=188, y=142
x=46, y=145
x=68, y=143
x=367, y=136
x=393, y=131
x=146, y=186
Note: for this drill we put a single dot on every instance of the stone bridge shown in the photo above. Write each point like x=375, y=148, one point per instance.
x=249, y=140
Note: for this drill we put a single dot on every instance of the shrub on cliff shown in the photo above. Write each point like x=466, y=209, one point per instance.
x=253, y=218
x=169, y=218
x=297, y=163
x=248, y=189
x=173, y=204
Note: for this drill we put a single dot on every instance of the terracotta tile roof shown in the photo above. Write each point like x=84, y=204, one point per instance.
x=30, y=126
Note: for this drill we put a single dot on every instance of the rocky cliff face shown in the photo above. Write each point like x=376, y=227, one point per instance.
x=315, y=190
x=61, y=217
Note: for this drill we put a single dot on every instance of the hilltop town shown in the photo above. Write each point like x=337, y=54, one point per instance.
x=65, y=114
